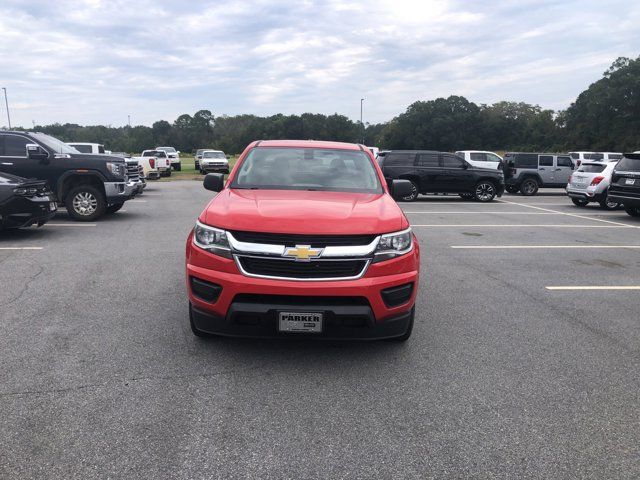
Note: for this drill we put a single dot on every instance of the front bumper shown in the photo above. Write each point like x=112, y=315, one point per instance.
x=118, y=192
x=214, y=168
x=247, y=306
x=22, y=212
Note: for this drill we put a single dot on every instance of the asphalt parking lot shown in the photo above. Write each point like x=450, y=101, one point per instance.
x=513, y=370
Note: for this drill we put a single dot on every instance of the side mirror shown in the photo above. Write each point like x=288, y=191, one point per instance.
x=36, y=152
x=213, y=182
x=178, y=152
x=401, y=188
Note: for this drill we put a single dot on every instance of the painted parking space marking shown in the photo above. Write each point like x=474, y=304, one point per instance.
x=490, y=212
x=480, y=225
x=70, y=225
x=592, y=287
x=574, y=215
x=136, y=201
x=542, y=247
x=21, y=248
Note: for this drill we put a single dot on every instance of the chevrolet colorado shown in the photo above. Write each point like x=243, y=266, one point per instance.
x=304, y=240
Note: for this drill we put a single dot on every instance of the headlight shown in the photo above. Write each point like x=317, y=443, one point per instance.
x=211, y=239
x=116, y=169
x=393, y=245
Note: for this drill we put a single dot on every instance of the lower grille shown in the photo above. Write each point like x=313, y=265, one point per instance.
x=314, y=269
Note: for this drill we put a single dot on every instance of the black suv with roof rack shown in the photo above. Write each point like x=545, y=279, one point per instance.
x=625, y=183
x=87, y=185
x=442, y=172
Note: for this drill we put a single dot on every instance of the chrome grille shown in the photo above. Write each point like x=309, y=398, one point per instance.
x=319, y=269
x=133, y=172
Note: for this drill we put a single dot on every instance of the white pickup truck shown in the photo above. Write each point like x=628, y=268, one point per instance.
x=174, y=157
x=155, y=163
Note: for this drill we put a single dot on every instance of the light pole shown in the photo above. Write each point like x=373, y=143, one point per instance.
x=6, y=102
x=129, y=120
x=361, y=101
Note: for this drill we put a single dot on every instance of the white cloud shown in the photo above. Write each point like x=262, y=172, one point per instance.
x=96, y=61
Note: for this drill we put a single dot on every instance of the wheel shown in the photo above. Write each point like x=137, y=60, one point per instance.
x=511, y=189
x=194, y=329
x=168, y=172
x=114, y=208
x=414, y=193
x=405, y=336
x=607, y=204
x=197, y=166
x=85, y=203
x=579, y=202
x=178, y=167
x=633, y=211
x=529, y=187
x=485, y=191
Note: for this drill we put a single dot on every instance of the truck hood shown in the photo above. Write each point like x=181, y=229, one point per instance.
x=98, y=158
x=304, y=212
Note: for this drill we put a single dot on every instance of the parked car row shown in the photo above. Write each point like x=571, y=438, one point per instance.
x=89, y=185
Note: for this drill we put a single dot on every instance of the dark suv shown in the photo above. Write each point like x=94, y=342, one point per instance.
x=87, y=185
x=527, y=172
x=625, y=183
x=440, y=172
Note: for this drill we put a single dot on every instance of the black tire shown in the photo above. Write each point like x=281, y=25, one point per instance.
x=405, y=336
x=607, y=204
x=578, y=202
x=633, y=211
x=113, y=208
x=178, y=167
x=414, y=193
x=511, y=189
x=485, y=191
x=168, y=172
x=529, y=187
x=85, y=203
x=197, y=165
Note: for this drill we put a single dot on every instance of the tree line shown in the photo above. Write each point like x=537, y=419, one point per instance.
x=605, y=117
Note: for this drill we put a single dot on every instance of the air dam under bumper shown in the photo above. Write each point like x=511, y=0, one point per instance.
x=352, y=309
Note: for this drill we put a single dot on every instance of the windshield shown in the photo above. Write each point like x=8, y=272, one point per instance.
x=213, y=155
x=308, y=169
x=54, y=144
x=167, y=149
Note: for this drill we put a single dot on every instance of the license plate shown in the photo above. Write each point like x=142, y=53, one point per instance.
x=305, y=322
x=630, y=181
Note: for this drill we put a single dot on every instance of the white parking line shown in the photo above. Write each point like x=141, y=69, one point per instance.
x=136, y=201
x=20, y=248
x=480, y=225
x=573, y=215
x=488, y=212
x=70, y=225
x=540, y=247
x=591, y=287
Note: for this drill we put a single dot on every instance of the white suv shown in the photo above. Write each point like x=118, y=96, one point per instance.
x=174, y=157
x=481, y=158
x=590, y=183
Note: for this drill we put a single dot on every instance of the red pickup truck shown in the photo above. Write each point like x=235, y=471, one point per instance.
x=304, y=240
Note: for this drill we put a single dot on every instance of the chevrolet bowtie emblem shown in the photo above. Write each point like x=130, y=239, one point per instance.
x=302, y=252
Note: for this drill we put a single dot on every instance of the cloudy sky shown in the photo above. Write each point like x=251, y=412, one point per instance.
x=96, y=61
